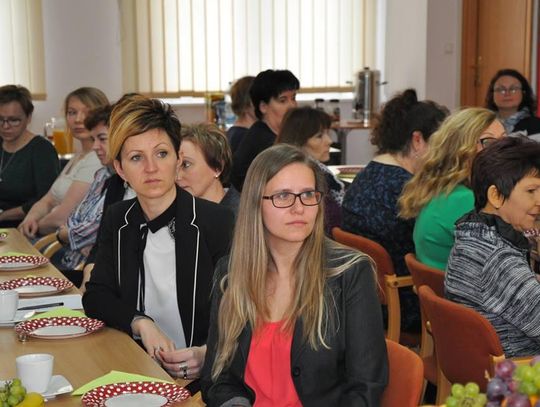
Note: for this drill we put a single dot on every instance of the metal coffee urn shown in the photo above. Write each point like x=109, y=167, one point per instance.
x=366, y=94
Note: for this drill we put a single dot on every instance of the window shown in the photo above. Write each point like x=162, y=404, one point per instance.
x=190, y=47
x=21, y=42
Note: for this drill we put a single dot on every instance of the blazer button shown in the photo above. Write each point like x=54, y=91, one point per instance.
x=296, y=371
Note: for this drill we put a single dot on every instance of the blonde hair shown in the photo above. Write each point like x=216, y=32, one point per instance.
x=137, y=114
x=448, y=161
x=245, y=298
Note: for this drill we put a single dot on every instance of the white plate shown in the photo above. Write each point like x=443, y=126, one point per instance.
x=136, y=400
x=19, y=316
x=35, y=289
x=59, y=330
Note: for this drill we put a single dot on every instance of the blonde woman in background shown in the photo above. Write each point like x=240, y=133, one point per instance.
x=206, y=165
x=53, y=209
x=439, y=194
x=296, y=320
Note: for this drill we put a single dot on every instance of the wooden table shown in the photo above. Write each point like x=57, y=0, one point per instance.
x=81, y=359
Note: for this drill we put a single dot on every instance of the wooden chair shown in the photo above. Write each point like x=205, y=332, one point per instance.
x=466, y=344
x=48, y=245
x=405, y=379
x=389, y=282
x=433, y=278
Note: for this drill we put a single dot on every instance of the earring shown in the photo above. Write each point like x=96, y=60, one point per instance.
x=216, y=176
x=126, y=185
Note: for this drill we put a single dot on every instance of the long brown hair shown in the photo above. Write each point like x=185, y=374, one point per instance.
x=244, y=299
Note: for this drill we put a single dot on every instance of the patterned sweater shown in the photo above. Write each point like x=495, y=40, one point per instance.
x=488, y=271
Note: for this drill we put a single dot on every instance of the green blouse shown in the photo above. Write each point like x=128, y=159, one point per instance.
x=434, y=228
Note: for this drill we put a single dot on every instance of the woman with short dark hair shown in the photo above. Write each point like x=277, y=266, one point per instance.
x=23, y=156
x=488, y=269
x=272, y=93
x=510, y=95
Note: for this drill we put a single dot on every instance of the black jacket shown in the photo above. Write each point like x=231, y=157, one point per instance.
x=202, y=237
x=353, y=372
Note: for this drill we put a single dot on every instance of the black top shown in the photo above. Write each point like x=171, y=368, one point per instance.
x=258, y=138
x=235, y=135
x=27, y=174
x=529, y=124
x=202, y=235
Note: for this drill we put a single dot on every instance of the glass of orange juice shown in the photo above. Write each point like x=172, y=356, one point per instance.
x=57, y=133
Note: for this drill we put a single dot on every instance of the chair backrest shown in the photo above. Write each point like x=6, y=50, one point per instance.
x=465, y=341
x=423, y=274
x=406, y=377
x=380, y=256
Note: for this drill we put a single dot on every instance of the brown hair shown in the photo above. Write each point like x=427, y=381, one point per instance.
x=240, y=99
x=214, y=146
x=19, y=94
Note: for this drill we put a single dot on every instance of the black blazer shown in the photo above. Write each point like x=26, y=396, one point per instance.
x=202, y=237
x=353, y=372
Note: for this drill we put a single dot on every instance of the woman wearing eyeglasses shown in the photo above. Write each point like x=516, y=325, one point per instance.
x=511, y=97
x=296, y=319
x=23, y=156
x=439, y=193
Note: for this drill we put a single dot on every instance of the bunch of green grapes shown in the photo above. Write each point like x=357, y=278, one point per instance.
x=12, y=393
x=466, y=396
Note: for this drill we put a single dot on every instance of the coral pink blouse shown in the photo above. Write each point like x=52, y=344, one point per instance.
x=268, y=369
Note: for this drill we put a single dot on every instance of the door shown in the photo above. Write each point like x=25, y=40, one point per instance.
x=496, y=34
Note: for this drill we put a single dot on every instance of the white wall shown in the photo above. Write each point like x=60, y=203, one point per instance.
x=444, y=52
x=82, y=48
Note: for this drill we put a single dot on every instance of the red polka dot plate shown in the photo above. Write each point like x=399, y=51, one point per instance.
x=36, y=286
x=21, y=261
x=58, y=327
x=146, y=394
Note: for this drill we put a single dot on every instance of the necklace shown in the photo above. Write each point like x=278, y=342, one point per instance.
x=2, y=167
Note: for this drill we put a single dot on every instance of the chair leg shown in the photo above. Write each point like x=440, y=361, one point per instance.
x=394, y=314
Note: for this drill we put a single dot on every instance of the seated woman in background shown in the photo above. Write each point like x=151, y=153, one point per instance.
x=295, y=316
x=370, y=204
x=157, y=252
x=23, y=156
x=439, y=193
x=511, y=97
x=272, y=94
x=308, y=128
x=52, y=211
x=80, y=232
x=206, y=165
x=488, y=269
x=243, y=109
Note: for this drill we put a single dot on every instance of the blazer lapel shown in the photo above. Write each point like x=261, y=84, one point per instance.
x=187, y=251
x=298, y=342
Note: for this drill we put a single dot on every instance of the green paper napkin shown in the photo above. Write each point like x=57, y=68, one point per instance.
x=60, y=312
x=14, y=254
x=115, y=377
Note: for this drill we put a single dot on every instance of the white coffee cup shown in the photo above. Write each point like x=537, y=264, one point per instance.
x=35, y=371
x=9, y=301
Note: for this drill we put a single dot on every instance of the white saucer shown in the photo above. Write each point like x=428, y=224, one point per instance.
x=19, y=316
x=135, y=400
x=58, y=385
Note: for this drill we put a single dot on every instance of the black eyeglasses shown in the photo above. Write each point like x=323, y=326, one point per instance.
x=287, y=199
x=512, y=90
x=486, y=141
x=12, y=121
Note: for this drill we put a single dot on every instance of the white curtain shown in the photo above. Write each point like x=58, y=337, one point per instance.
x=190, y=47
x=21, y=45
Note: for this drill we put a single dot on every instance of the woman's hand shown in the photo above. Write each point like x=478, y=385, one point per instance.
x=152, y=337
x=184, y=363
x=29, y=227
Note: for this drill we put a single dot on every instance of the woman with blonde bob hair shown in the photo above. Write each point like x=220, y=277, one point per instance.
x=293, y=303
x=439, y=194
x=157, y=252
